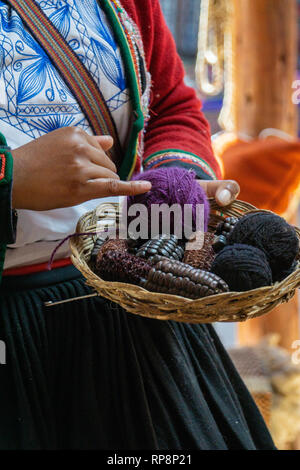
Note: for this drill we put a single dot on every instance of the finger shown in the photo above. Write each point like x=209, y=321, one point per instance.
x=112, y=187
x=105, y=141
x=95, y=172
x=99, y=158
x=224, y=191
x=227, y=192
x=93, y=141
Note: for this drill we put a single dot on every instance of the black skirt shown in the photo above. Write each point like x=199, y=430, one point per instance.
x=88, y=375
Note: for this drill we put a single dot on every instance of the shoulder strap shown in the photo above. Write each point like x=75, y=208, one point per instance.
x=73, y=71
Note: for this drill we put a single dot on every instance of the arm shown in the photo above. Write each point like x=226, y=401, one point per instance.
x=177, y=132
x=63, y=168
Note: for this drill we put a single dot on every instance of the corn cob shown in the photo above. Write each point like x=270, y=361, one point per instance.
x=223, y=232
x=112, y=245
x=133, y=245
x=163, y=246
x=98, y=243
x=226, y=226
x=174, y=277
x=117, y=266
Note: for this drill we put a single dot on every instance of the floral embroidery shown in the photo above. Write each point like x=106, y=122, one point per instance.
x=38, y=99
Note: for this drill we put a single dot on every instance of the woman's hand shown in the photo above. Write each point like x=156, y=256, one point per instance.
x=64, y=168
x=223, y=191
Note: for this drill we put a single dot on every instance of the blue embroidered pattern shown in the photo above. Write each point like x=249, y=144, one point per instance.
x=38, y=100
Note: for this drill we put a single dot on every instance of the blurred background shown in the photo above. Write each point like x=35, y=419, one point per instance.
x=182, y=17
x=244, y=67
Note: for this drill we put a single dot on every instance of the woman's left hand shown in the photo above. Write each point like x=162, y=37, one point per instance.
x=224, y=191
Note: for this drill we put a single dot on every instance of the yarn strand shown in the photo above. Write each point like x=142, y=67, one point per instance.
x=51, y=260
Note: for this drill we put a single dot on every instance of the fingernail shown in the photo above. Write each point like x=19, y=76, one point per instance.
x=224, y=197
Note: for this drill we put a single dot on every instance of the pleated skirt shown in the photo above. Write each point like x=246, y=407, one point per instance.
x=88, y=375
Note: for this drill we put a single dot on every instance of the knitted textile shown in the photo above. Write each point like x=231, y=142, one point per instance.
x=202, y=258
x=172, y=186
x=243, y=267
x=116, y=266
x=271, y=234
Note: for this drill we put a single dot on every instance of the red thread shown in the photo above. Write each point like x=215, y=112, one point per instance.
x=2, y=170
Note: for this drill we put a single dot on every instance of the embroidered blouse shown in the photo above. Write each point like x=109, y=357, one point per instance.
x=34, y=100
x=165, y=125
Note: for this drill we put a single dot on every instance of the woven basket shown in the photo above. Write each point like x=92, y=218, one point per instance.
x=226, y=307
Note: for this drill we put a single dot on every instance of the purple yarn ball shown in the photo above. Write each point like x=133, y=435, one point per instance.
x=170, y=186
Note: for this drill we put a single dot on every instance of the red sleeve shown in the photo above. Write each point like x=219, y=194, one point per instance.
x=177, y=132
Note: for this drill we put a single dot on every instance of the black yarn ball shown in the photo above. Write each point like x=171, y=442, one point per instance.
x=242, y=267
x=271, y=234
x=280, y=276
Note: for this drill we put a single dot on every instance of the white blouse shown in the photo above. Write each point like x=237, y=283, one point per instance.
x=34, y=100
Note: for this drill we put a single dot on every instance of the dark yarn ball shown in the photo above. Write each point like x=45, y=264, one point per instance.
x=243, y=267
x=271, y=234
x=278, y=277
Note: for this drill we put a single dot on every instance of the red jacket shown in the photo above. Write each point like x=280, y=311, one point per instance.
x=176, y=120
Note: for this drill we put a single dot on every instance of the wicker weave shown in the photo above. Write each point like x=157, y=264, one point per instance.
x=227, y=307
x=273, y=379
x=256, y=375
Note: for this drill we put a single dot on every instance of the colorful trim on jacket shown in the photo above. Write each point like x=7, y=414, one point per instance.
x=7, y=216
x=173, y=156
x=6, y=162
x=139, y=81
x=2, y=166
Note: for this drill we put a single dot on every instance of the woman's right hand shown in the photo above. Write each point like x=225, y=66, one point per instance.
x=64, y=168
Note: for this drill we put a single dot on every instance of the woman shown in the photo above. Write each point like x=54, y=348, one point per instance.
x=86, y=374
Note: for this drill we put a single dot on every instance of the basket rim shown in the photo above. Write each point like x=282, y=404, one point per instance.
x=275, y=293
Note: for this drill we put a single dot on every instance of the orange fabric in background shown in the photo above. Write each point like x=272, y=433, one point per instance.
x=268, y=171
